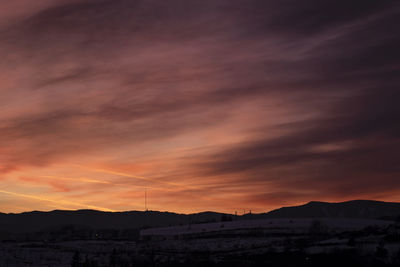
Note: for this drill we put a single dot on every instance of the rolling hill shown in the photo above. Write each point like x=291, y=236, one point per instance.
x=367, y=209
x=53, y=221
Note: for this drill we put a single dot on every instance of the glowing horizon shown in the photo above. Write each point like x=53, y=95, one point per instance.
x=220, y=106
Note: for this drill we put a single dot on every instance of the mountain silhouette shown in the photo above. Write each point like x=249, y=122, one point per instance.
x=36, y=221
x=366, y=209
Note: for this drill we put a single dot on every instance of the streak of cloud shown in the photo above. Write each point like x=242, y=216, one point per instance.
x=222, y=104
x=57, y=202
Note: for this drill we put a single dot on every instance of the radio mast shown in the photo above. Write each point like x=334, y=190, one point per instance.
x=145, y=199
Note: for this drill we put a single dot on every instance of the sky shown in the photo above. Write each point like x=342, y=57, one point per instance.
x=208, y=105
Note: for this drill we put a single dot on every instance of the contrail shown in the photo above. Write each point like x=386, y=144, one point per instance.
x=80, y=179
x=90, y=180
x=64, y=202
x=186, y=187
x=143, y=178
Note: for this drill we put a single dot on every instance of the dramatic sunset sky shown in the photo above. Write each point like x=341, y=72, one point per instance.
x=219, y=105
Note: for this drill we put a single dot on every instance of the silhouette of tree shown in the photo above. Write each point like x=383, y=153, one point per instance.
x=396, y=257
x=89, y=263
x=226, y=218
x=76, y=260
x=351, y=242
x=317, y=227
x=113, y=258
x=381, y=251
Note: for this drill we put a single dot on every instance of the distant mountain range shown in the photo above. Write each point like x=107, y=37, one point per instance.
x=368, y=209
x=38, y=220
x=91, y=219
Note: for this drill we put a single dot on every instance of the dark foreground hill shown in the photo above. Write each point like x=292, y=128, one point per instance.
x=52, y=220
x=90, y=221
x=366, y=209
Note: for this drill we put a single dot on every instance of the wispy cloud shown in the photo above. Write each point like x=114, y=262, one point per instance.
x=224, y=104
x=62, y=203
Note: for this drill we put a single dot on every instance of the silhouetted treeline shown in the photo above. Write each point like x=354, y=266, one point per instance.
x=15, y=226
x=345, y=257
x=73, y=232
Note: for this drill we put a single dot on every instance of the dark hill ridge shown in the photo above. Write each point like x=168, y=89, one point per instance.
x=92, y=219
x=38, y=220
x=350, y=209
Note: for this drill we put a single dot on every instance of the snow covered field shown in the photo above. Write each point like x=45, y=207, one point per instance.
x=97, y=252
x=254, y=241
x=225, y=240
x=267, y=225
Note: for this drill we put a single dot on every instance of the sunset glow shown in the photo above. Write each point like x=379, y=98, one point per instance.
x=208, y=105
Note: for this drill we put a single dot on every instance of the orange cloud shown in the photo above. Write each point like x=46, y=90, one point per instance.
x=211, y=106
